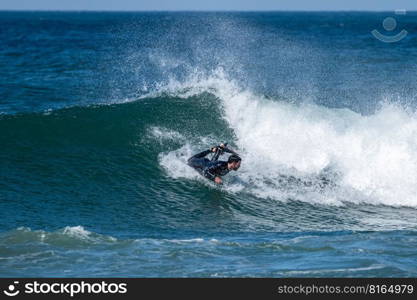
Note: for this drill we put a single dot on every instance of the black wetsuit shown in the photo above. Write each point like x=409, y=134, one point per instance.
x=207, y=168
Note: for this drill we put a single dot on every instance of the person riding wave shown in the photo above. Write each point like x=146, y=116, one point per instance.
x=213, y=169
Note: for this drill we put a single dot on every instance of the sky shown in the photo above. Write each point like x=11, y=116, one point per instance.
x=378, y=5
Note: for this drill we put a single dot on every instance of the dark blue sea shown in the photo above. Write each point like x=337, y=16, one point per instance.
x=100, y=111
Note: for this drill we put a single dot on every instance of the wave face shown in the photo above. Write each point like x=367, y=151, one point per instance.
x=100, y=111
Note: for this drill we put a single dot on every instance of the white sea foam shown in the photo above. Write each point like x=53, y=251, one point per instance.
x=164, y=134
x=175, y=163
x=374, y=157
x=71, y=232
x=350, y=270
x=195, y=240
x=76, y=231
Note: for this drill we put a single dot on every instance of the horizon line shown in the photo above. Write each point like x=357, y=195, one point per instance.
x=197, y=10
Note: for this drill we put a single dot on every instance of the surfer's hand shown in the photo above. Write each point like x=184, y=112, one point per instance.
x=222, y=145
x=218, y=180
x=214, y=149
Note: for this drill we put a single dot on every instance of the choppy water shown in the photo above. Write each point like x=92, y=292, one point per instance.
x=99, y=112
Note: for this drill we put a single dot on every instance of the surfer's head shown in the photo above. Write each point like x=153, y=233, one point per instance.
x=233, y=163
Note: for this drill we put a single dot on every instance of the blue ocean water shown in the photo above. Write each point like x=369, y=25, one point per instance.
x=99, y=112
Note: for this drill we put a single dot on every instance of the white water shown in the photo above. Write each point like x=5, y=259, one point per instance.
x=370, y=158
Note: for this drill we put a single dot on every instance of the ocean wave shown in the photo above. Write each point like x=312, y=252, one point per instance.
x=76, y=251
x=69, y=236
x=369, y=158
x=304, y=152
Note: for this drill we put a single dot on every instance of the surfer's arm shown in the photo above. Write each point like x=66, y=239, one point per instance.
x=219, y=150
x=229, y=151
x=201, y=154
